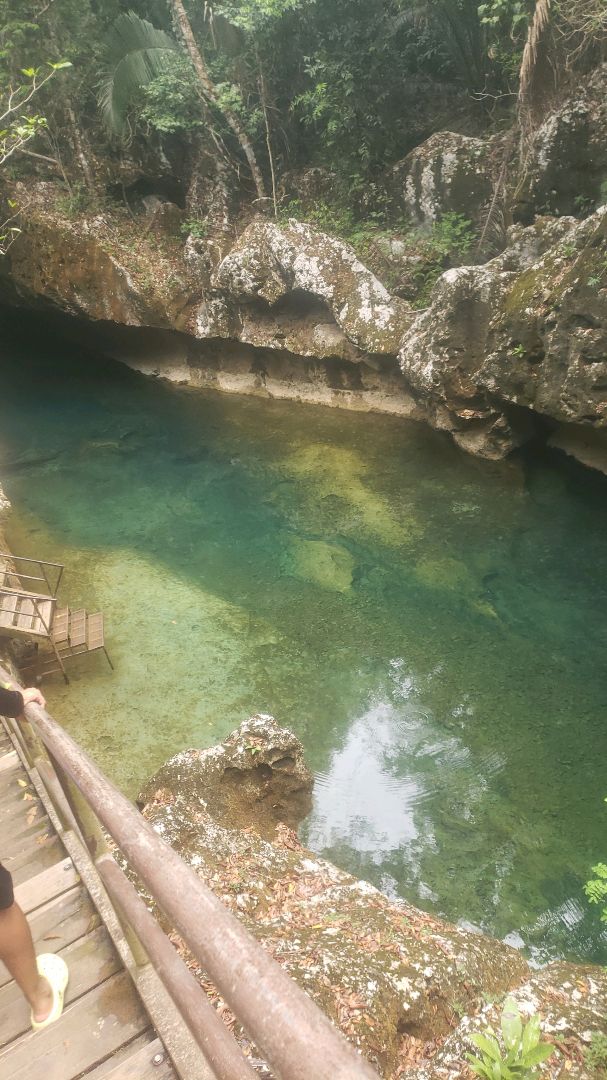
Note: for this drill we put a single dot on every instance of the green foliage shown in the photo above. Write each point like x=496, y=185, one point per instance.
x=338, y=219
x=78, y=200
x=452, y=236
x=521, y=1052
x=595, y=1056
x=596, y=888
x=170, y=101
x=448, y=243
x=195, y=227
x=511, y=13
x=253, y=15
x=137, y=54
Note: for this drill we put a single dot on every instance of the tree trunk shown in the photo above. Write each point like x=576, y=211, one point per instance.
x=78, y=145
x=208, y=91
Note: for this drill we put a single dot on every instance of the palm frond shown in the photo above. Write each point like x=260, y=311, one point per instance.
x=136, y=53
x=529, y=64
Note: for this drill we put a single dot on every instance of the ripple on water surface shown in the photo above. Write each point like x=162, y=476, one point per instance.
x=433, y=627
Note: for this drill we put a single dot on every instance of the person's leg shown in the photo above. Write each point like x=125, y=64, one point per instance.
x=17, y=951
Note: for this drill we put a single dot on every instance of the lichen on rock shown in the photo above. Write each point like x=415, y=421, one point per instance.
x=449, y=173
x=269, y=262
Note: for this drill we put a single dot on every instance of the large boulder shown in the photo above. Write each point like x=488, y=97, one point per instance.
x=270, y=263
x=514, y=337
x=258, y=774
x=449, y=173
x=406, y=988
x=566, y=162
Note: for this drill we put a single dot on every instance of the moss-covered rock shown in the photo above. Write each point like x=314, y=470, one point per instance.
x=525, y=333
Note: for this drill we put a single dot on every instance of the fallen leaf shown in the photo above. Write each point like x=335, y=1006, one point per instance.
x=22, y=783
x=31, y=814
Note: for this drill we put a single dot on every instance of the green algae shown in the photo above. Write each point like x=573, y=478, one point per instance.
x=433, y=627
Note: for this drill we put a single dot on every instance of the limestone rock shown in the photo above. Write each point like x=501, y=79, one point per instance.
x=70, y=267
x=495, y=345
x=257, y=774
x=566, y=165
x=449, y=173
x=270, y=262
x=378, y=968
x=572, y=1003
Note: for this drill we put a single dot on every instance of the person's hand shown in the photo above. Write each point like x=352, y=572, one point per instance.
x=32, y=694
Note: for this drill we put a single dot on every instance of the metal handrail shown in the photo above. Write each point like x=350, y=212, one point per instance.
x=8, y=590
x=42, y=564
x=298, y=1040
x=38, y=562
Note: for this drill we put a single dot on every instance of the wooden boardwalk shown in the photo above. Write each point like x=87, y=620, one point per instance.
x=105, y=1031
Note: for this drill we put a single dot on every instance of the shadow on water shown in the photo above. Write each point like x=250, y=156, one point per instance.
x=432, y=626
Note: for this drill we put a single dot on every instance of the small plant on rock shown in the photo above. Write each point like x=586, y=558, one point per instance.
x=595, y=1056
x=522, y=1050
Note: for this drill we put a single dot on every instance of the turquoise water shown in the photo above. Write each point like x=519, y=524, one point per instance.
x=433, y=627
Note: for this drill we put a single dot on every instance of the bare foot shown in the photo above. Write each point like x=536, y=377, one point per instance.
x=42, y=1001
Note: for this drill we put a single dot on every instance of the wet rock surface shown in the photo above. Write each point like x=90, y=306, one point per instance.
x=403, y=986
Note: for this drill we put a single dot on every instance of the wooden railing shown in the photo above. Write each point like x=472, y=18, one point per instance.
x=296, y=1038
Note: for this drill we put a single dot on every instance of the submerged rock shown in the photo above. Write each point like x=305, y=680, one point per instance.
x=329, y=565
x=403, y=986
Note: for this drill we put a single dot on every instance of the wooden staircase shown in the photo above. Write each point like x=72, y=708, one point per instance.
x=36, y=615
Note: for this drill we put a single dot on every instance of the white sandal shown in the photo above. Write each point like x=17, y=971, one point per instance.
x=54, y=969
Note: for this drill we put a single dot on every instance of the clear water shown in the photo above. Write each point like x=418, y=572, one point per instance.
x=433, y=627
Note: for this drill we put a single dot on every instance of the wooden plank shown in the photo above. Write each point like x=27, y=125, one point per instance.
x=14, y=795
x=94, y=635
x=42, y=622
x=91, y=961
x=29, y=865
x=139, y=1065
x=8, y=605
x=26, y=842
x=60, y=625
x=46, y=886
x=10, y=776
x=8, y=761
x=90, y=1030
x=16, y=821
x=58, y=923
x=25, y=618
x=77, y=631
